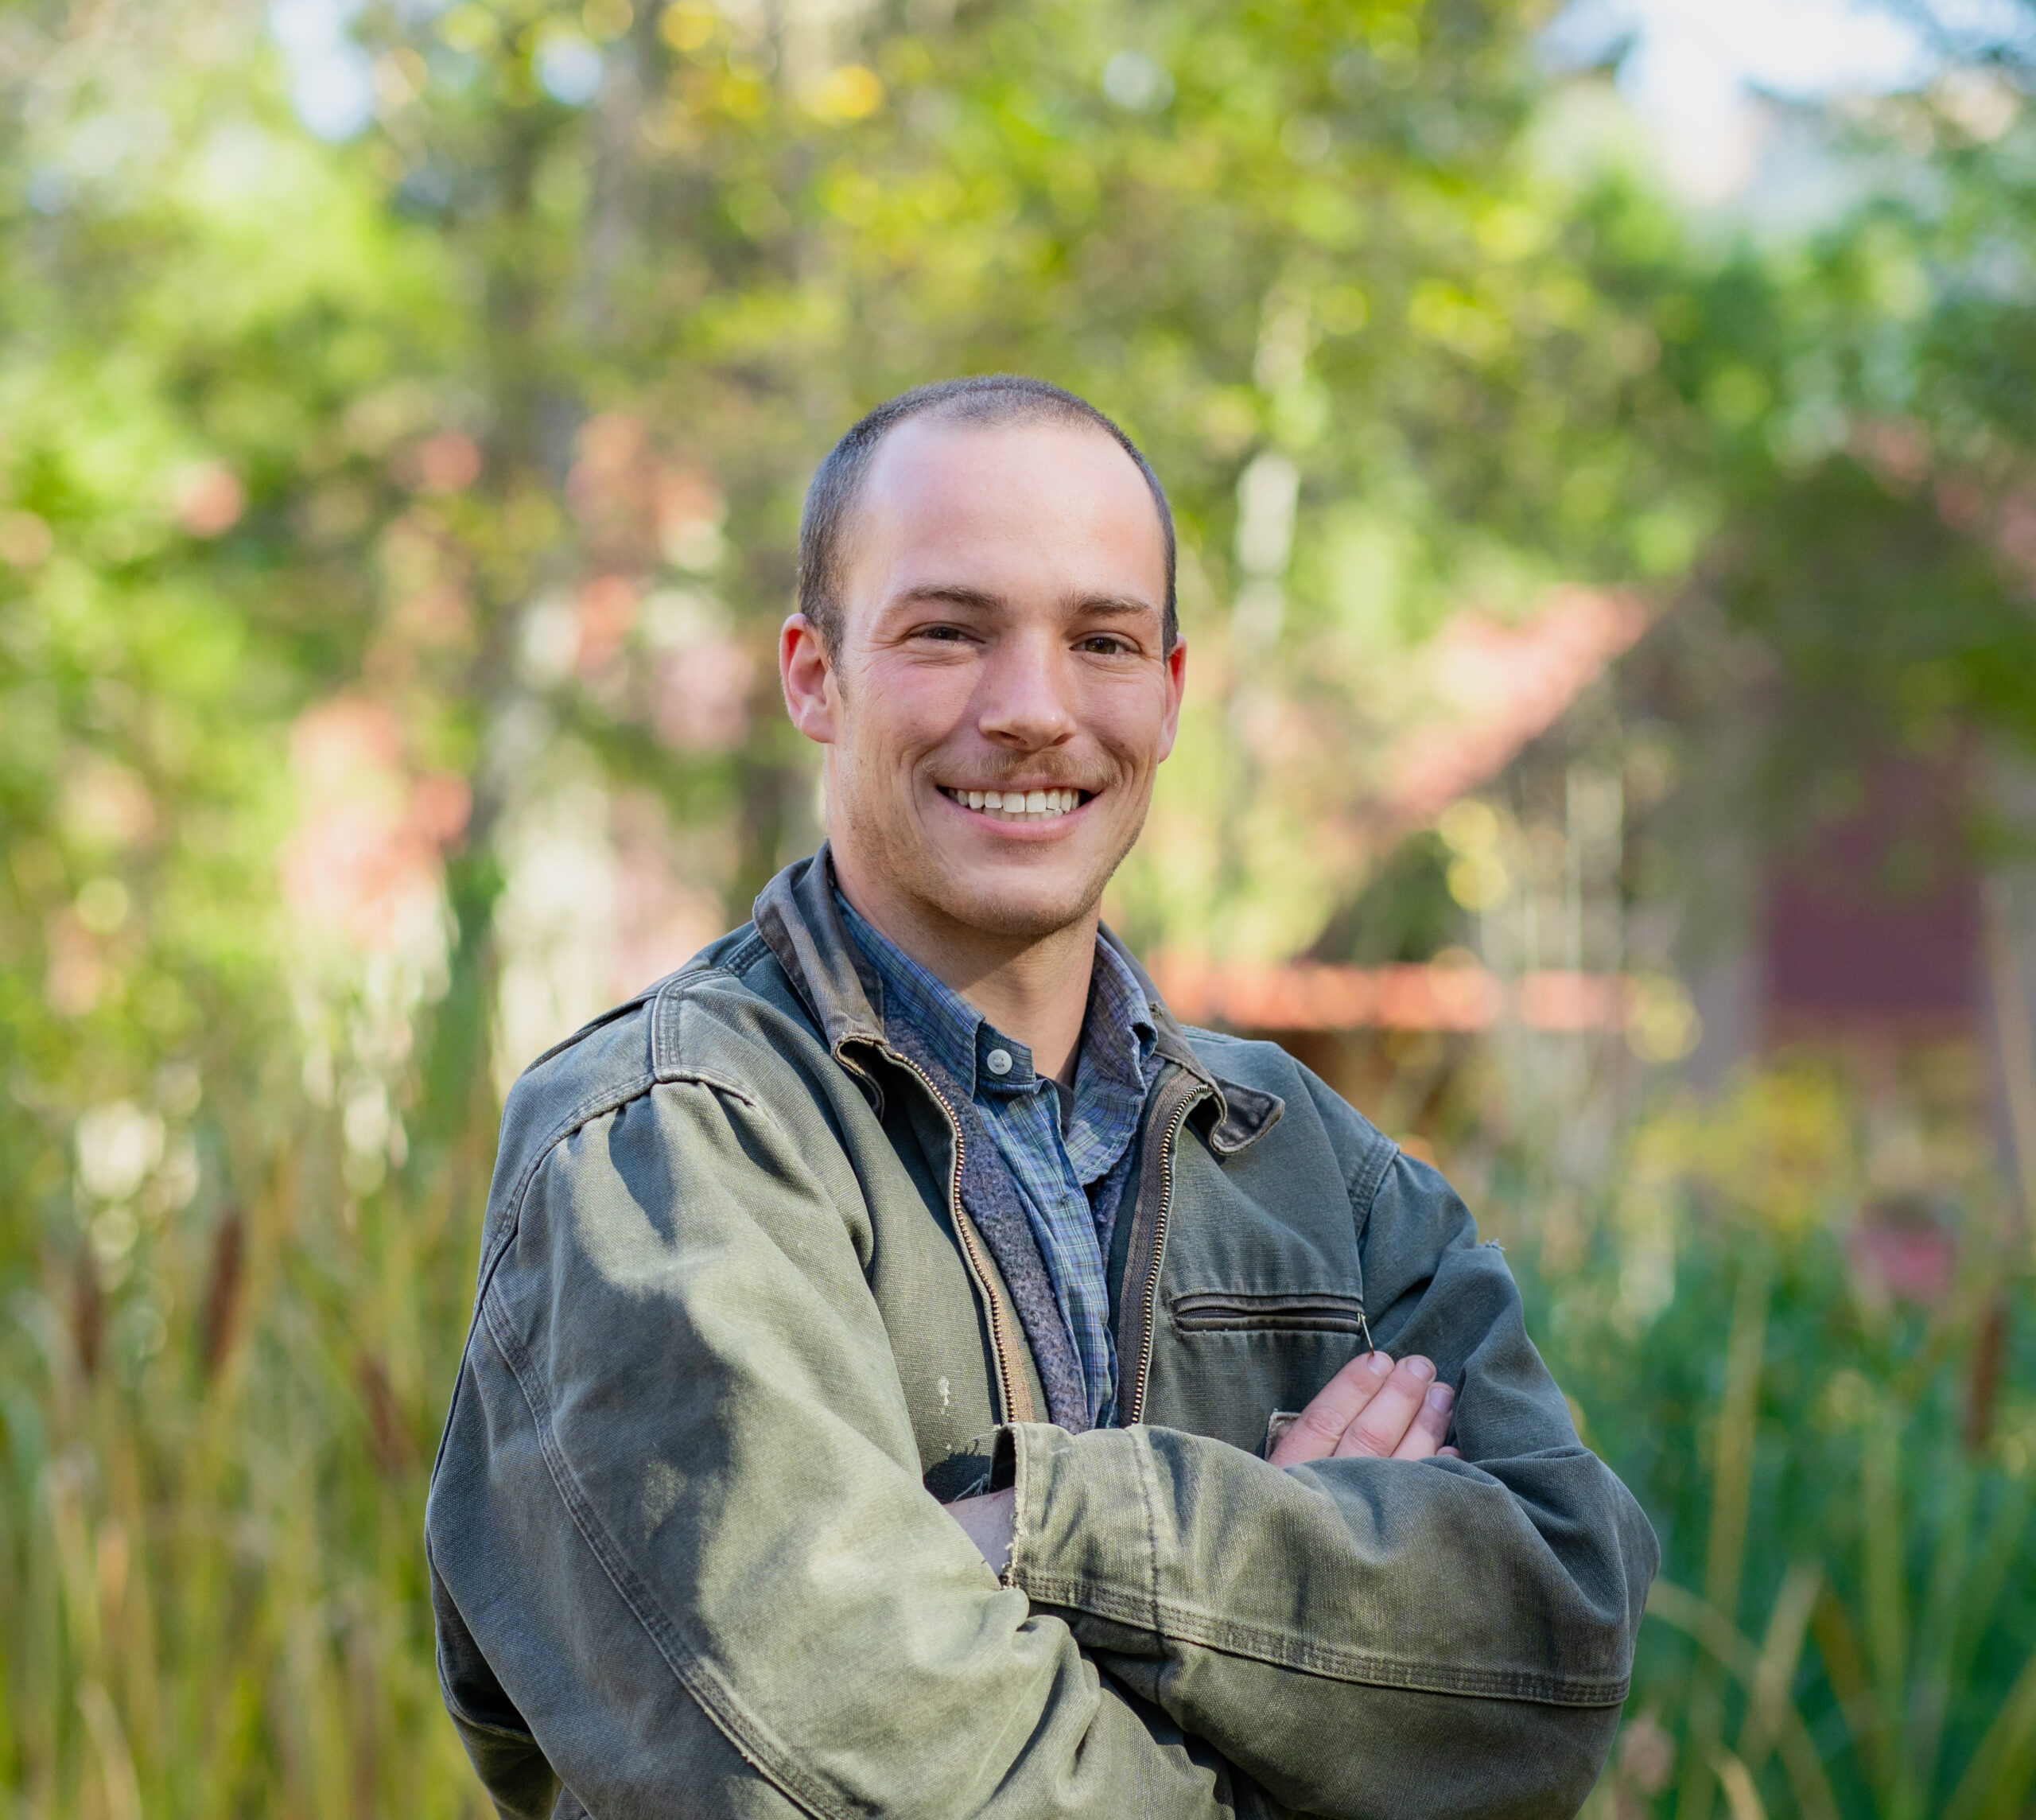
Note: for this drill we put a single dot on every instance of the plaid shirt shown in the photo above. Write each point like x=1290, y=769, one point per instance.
x=1068, y=1161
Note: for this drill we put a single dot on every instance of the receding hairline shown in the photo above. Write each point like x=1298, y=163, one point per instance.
x=998, y=401
x=856, y=504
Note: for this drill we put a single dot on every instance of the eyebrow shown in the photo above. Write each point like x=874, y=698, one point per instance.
x=953, y=593
x=1103, y=606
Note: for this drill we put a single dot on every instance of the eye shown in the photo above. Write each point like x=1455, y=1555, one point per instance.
x=945, y=634
x=1105, y=644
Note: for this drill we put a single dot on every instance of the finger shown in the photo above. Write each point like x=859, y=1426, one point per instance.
x=1321, y=1425
x=1385, y=1420
x=1447, y=1453
x=1425, y=1433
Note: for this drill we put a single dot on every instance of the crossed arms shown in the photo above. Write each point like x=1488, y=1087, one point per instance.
x=1373, y=1409
x=683, y=1559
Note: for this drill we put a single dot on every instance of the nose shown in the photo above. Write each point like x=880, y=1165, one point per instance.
x=1023, y=698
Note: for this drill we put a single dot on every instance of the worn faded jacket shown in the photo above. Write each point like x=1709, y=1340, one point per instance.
x=735, y=1339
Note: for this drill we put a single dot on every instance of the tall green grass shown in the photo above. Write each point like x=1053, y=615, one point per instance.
x=1845, y=1623
x=1899, y=1659
x=212, y=1598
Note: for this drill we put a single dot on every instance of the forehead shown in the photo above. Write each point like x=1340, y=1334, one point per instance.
x=1037, y=499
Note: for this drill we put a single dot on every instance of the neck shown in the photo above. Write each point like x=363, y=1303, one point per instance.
x=1034, y=989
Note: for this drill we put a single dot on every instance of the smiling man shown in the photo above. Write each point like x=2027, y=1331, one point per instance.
x=912, y=1375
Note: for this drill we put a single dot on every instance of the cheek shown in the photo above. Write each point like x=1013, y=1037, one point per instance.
x=1131, y=722
x=894, y=718
x=909, y=709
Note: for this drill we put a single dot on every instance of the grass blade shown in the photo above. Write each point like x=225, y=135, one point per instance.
x=1845, y=1667
x=1997, y=1780
x=1733, y=1651
x=1787, y=1625
x=1732, y=1490
x=1887, y=1611
x=1741, y=1797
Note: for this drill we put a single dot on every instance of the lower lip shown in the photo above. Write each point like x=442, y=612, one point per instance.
x=1044, y=829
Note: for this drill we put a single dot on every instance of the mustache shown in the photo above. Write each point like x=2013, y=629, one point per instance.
x=1026, y=779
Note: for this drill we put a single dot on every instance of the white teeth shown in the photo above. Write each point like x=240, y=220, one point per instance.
x=1020, y=805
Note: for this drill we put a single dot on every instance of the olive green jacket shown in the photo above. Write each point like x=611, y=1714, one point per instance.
x=735, y=1340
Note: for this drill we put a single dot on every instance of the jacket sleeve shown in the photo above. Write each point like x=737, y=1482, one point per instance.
x=681, y=1558
x=1366, y=1638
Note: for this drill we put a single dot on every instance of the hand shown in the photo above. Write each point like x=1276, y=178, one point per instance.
x=988, y=1522
x=1376, y=1409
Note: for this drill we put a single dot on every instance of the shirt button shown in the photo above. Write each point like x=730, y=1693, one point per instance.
x=998, y=1061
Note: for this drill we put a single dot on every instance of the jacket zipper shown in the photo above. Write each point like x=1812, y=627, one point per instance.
x=1152, y=1301
x=1006, y=1375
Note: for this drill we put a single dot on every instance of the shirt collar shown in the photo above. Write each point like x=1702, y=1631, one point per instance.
x=1117, y=1031
x=945, y=1022
x=799, y=920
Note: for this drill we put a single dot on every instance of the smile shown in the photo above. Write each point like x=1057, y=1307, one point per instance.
x=1018, y=805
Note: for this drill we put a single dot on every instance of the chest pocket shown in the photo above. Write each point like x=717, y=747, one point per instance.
x=1223, y=1311
x=1234, y=1358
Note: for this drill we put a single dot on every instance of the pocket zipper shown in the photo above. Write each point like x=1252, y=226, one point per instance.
x=1220, y=1311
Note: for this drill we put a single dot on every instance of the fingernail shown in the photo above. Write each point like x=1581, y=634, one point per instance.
x=1421, y=1368
x=1381, y=1363
x=1440, y=1397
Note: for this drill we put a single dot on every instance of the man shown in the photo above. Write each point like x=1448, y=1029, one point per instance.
x=911, y=1193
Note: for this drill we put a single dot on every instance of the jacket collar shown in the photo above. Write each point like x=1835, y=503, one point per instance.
x=1242, y=1115
x=796, y=916
x=799, y=921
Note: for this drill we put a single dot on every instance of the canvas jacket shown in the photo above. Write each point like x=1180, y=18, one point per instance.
x=735, y=1339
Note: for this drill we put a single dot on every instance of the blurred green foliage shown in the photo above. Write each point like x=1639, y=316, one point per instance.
x=1840, y=1472
x=349, y=492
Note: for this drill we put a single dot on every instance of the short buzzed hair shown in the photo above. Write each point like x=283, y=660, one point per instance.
x=988, y=398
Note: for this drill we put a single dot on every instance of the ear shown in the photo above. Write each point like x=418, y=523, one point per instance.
x=807, y=678
x=1176, y=667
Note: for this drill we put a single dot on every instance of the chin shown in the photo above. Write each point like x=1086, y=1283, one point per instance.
x=1018, y=907
x=1018, y=923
